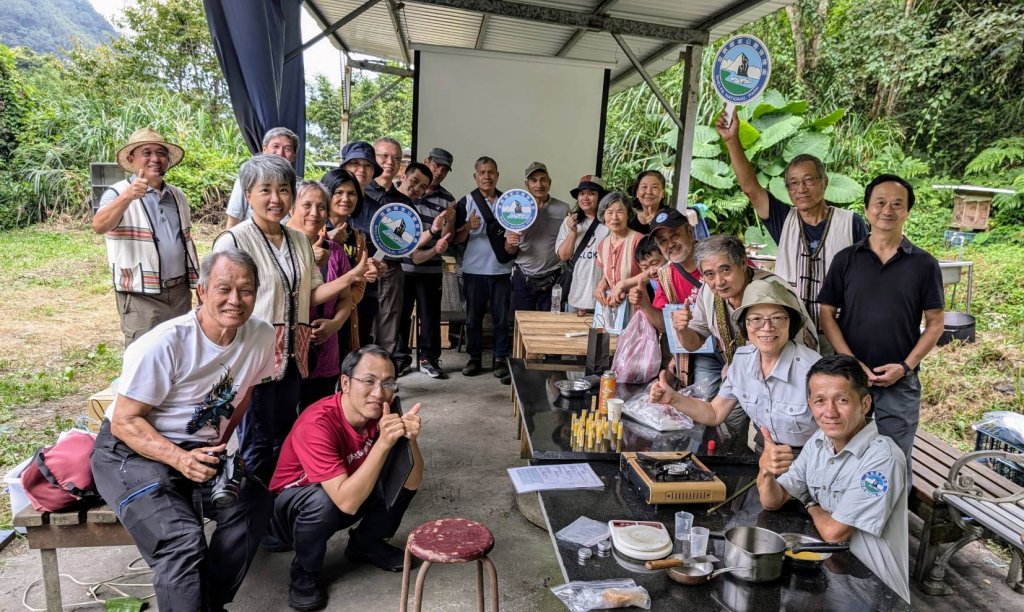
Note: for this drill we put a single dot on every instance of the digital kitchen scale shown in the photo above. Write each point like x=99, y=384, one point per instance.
x=640, y=540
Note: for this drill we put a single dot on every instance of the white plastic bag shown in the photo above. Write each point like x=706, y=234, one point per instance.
x=582, y=596
x=662, y=417
x=638, y=353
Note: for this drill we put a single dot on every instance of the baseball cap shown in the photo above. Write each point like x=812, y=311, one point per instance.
x=670, y=218
x=534, y=167
x=442, y=157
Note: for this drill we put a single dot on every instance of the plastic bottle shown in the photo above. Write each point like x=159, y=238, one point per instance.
x=556, y=298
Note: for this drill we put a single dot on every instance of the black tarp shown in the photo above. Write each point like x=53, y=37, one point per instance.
x=252, y=38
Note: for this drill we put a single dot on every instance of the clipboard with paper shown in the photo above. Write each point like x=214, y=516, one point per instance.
x=612, y=318
x=674, y=346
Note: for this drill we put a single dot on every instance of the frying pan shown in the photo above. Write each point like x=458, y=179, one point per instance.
x=697, y=573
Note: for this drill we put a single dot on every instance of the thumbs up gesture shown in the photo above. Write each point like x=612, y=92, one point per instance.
x=391, y=427
x=638, y=294
x=474, y=221
x=320, y=253
x=776, y=458
x=661, y=390
x=681, y=318
x=411, y=420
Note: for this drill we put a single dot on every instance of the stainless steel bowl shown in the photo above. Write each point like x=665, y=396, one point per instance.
x=572, y=388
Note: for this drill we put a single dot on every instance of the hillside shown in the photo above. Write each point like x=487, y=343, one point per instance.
x=47, y=26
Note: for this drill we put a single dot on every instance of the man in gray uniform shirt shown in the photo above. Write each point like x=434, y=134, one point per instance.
x=851, y=479
x=537, y=265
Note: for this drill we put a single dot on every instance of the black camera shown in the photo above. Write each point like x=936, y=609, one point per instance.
x=227, y=484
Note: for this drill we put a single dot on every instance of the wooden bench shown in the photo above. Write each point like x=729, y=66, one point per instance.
x=960, y=501
x=48, y=531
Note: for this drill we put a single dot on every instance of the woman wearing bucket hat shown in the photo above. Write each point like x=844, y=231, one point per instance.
x=290, y=283
x=767, y=378
x=148, y=230
x=577, y=242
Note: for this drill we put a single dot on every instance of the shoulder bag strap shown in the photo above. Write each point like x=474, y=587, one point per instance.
x=687, y=275
x=583, y=243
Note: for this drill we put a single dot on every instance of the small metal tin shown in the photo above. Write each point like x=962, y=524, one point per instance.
x=604, y=548
x=584, y=554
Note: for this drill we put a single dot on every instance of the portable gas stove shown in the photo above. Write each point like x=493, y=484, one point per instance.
x=671, y=478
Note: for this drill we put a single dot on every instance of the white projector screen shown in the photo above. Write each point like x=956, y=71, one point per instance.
x=515, y=108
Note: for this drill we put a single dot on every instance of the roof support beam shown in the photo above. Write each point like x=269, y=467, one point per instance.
x=577, y=36
x=719, y=18
x=380, y=68
x=329, y=30
x=396, y=22
x=633, y=59
x=688, y=113
x=577, y=19
x=480, y=33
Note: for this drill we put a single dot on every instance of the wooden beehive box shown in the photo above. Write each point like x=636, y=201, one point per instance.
x=971, y=211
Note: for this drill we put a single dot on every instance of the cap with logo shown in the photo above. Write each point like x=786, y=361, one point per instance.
x=670, y=218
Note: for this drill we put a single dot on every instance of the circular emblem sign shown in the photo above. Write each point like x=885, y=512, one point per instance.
x=874, y=483
x=395, y=229
x=516, y=210
x=742, y=68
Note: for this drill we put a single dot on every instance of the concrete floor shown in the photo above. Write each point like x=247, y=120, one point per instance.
x=467, y=443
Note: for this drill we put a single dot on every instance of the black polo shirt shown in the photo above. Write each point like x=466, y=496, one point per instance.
x=881, y=305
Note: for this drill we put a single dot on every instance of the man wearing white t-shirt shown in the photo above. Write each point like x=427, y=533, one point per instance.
x=183, y=388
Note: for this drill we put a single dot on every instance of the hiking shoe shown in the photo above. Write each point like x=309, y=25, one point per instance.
x=379, y=553
x=506, y=380
x=432, y=368
x=500, y=368
x=472, y=368
x=403, y=366
x=304, y=592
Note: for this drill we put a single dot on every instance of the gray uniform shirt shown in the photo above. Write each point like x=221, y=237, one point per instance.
x=163, y=214
x=537, y=254
x=863, y=486
x=778, y=402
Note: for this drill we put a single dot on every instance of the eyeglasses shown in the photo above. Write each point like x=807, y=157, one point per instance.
x=387, y=385
x=777, y=321
x=808, y=182
x=386, y=157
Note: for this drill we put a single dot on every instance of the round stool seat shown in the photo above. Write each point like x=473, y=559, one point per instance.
x=450, y=540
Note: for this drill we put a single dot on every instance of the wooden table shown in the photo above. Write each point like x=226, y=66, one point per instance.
x=539, y=339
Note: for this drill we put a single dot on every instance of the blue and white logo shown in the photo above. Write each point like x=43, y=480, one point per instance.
x=874, y=483
x=396, y=229
x=661, y=217
x=742, y=69
x=516, y=210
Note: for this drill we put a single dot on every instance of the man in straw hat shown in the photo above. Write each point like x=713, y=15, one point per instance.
x=146, y=222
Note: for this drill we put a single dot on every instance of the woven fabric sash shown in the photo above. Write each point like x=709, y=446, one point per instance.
x=810, y=269
x=731, y=340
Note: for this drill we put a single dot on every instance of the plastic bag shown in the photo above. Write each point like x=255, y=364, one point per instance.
x=1004, y=425
x=662, y=417
x=638, y=354
x=581, y=596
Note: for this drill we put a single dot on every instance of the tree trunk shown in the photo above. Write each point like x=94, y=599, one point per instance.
x=796, y=26
x=818, y=29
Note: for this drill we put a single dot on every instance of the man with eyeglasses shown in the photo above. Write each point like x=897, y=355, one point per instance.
x=810, y=232
x=872, y=303
x=277, y=141
x=328, y=474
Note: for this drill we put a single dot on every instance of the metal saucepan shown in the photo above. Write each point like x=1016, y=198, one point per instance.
x=761, y=552
x=697, y=573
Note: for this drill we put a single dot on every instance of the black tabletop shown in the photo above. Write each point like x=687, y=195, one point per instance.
x=843, y=583
x=547, y=417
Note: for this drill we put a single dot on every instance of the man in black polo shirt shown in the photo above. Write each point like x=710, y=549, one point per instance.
x=881, y=286
x=390, y=281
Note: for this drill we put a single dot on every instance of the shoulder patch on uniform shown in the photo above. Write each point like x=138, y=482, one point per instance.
x=874, y=483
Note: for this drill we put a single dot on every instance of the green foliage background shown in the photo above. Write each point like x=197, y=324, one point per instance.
x=47, y=26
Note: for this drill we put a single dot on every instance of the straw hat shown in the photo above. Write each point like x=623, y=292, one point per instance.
x=143, y=136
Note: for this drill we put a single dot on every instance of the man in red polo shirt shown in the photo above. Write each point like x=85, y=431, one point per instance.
x=327, y=476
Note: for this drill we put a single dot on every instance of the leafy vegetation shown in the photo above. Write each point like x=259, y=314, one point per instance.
x=49, y=26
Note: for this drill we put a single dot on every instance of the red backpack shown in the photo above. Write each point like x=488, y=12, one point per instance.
x=60, y=476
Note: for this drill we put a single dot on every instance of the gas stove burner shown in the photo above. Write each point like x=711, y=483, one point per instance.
x=676, y=469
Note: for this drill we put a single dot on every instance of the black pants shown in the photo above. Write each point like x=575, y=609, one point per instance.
x=482, y=289
x=163, y=511
x=306, y=518
x=272, y=412
x=367, y=310
x=425, y=291
x=528, y=297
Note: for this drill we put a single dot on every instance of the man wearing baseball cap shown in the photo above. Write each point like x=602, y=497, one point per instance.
x=148, y=229
x=537, y=266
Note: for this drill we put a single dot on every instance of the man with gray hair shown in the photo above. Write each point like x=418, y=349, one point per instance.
x=277, y=141
x=183, y=388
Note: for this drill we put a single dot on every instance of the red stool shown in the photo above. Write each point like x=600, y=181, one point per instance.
x=449, y=540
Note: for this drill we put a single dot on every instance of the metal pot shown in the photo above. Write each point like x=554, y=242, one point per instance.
x=761, y=552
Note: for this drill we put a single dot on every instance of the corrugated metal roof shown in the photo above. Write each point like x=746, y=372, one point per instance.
x=373, y=33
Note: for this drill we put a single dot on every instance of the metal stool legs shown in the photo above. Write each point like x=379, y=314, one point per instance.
x=421, y=578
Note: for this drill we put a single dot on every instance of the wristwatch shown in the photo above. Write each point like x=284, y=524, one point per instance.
x=906, y=369
x=811, y=504
x=434, y=234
